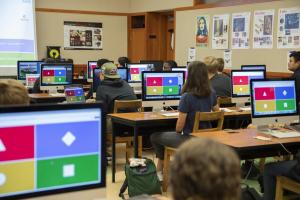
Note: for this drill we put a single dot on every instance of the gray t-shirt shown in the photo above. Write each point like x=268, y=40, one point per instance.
x=221, y=84
x=191, y=104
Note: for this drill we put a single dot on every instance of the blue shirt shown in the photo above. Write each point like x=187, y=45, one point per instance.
x=190, y=104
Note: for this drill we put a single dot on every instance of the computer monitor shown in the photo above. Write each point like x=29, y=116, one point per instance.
x=160, y=89
x=90, y=66
x=28, y=67
x=31, y=79
x=273, y=101
x=48, y=149
x=74, y=94
x=55, y=76
x=253, y=67
x=122, y=71
x=157, y=64
x=96, y=79
x=134, y=70
x=181, y=68
x=240, y=84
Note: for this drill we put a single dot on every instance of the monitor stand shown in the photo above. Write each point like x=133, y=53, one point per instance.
x=52, y=91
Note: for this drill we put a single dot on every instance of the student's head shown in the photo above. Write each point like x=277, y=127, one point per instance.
x=123, y=61
x=197, y=82
x=211, y=64
x=220, y=67
x=109, y=71
x=203, y=169
x=294, y=62
x=168, y=65
x=12, y=92
x=102, y=61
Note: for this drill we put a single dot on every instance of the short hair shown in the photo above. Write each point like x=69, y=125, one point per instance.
x=102, y=61
x=295, y=55
x=172, y=63
x=123, y=61
x=205, y=169
x=12, y=92
x=211, y=64
x=220, y=67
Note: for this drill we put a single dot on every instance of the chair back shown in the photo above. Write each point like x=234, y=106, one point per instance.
x=208, y=117
x=128, y=104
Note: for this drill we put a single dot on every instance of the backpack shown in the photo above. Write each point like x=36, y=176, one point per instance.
x=141, y=180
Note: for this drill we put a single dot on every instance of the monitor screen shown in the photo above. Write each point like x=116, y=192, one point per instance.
x=30, y=79
x=91, y=65
x=28, y=67
x=157, y=64
x=240, y=81
x=49, y=149
x=273, y=97
x=253, y=67
x=56, y=74
x=122, y=71
x=74, y=94
x=162, y=85
x=135, y=71
x=96, y=78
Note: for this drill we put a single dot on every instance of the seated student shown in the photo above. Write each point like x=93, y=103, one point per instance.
x=12, y=92
x=220, y=83
x=122, y=61
x=197, y=96
x=168, y=65
x=289, y=169
x=203, y=169
x=220, y=67
x=294, y=66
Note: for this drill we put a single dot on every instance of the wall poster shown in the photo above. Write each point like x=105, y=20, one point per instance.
x=202, y=31
x=263, y=29
x=220, y=31
x=240, y=30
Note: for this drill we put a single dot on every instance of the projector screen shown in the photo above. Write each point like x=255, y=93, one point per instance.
x=17, y=35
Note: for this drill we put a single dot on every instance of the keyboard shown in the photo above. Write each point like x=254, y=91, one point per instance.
x=170, y=114
x=57, y=94
x=245, y=108
x=288, y=134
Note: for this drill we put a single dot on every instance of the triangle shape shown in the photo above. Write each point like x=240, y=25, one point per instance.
x=2, y=147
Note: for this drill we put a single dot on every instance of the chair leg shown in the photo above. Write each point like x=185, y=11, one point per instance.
x=140, y=148
x=128, y=151
x=279, y=190
x=167, y=158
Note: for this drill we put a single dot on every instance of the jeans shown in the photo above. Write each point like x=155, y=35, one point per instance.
x=170, y=139
x=271, y=171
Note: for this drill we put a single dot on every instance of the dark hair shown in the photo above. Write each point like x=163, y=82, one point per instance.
x=295, y=55
x=123, y=61
x=172, y=63
x=215, y=165
x=102, y=61
x=220, y=67
x=197, y=82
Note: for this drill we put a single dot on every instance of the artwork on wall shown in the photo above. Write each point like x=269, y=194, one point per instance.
x=83, y=35
x=240, y=30
x=220, y=31
x=263, y=29
x=288, y=35
x=202, y=31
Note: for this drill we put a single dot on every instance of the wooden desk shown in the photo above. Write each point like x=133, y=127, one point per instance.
x=151, y=120
x=45, y=98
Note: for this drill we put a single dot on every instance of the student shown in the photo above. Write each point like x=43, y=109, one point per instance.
x=205, y=169
x=220, y=83
x=294, y=66
x=123, y=61
x=12, y=92
x=197, y=96
x=168, y=65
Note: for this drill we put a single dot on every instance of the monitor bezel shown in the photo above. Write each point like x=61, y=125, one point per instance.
x=273, y=115
x=90, y=79
x=241, y=96
x=128, y=71
x=27, y=61
x=155, y=72
x=242, y=66
x=55, y=107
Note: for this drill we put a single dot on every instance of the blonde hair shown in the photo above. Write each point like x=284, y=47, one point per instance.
x=12, y=92
x=212, y=64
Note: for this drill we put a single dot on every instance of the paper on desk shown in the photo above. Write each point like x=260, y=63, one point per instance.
x=226, y=110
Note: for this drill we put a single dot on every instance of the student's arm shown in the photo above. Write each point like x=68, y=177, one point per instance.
x=216, y=108
x=180, y=122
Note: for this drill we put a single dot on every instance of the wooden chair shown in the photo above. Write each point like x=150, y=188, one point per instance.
x=128, y=140
x=199, y=116
x=288, y=184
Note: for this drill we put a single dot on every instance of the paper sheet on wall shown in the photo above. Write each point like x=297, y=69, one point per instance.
x=191, y=54
x=288, y=35
x=202, y=31
x=227, y=59
x=220, y=31
x=263, y=29
x=240, y=30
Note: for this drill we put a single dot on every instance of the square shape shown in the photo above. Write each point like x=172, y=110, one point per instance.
x=68, y=170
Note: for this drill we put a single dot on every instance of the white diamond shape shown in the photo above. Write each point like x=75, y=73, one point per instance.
x=2, y=147
x=69, y=170
x=68, y=138
x=170, y=81
x=2, y=179
x=284, y=93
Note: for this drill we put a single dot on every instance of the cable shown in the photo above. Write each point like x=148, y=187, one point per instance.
x=285, y=148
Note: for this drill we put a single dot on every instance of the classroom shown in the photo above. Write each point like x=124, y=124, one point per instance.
x=150, y=99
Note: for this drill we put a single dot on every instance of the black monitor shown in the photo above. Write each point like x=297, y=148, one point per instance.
x=181, y=68
x=49, y=149
x=28, y=67
x=253, y=67
x=158, y=64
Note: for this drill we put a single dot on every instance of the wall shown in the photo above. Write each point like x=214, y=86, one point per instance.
x=275, y=59
x=155, y=5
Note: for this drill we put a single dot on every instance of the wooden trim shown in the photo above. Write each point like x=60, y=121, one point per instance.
x=269, y=74
x=222, y=4
x=83, y=12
